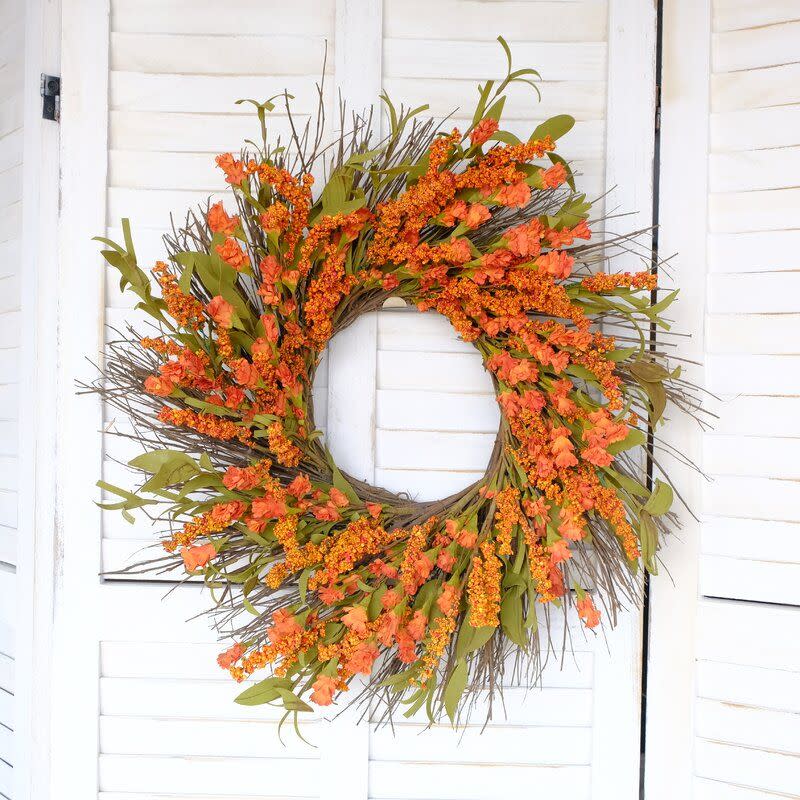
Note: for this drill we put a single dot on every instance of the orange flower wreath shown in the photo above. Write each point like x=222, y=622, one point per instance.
x=322, y=577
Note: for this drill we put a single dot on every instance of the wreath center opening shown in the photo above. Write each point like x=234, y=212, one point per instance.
x=435, y=414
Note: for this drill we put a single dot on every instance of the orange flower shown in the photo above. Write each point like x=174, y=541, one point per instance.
x=417, y=626
x=339, y=498
x=324, y=687
x=245, y=373
x=588, y=612
x=388, y=626
x=406, y=647
x=158, y=385
x=233, y=169
x=572, y=526
x=221, y=311
x=227, y=659
x=330, y=595
x=231, y=253
x=555, y=176
x=284, y=624
x=300, y=486
x=476, y=214
x=482, y=131
x=219, y=221
x=390, y=599
x=356, y=619
x=446, y=561
x=556, y=263
x=597, y=456
x=447, y=601
x=270, y=325
x=467, y=539
x=238, y=478
x=517, y=194
x=362, y=659
x=559, y=551
x=374, y=509
x=327, y=512
x=199, y=556
x=268, y=507
x=562, y=448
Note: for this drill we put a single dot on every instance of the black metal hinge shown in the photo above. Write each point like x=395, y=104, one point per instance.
x=51, y=97
x=658, y=107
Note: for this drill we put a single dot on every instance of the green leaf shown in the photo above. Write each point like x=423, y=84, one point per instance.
x=291, y=702
x=454, y=689
x=341, y=483
x=266, y=691
x=505, y=137
x=630, y=485
x=334, y=194
x=156, y=460
x=622, y=354
x=555, y=127
x=129, y=501
x=658, y=399
x=471, y=639
x=302, y=583
x=511, y=618
x=635, y=438
x=648, y=538
x=660, y=500
x=649, y=371
x=496, y=110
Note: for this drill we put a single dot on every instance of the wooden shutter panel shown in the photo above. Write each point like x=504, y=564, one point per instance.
x=723, y=671
x=139, y=694
x=12, y=60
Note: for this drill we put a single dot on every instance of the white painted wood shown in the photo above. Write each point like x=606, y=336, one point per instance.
x=166, y=723
x=753, y=47
x=351, y=374
x=731, y=15
x=755, y=128
x=754, y=456
x=757, y=415
x=762, y=580
x=459, y=60
x=756, y=88
x=240, y=54
x=753, y=498
x=753, y=374
x=77, y=593
x=683, y=230
x=350, y=433
x=630, y=124
x=748, y=712
x=740, y=212
x=310, y=18
x=472, y=20
x=777, y=168
x=759, y=333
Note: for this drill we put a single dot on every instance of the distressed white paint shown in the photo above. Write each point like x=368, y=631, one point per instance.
x=163, y=723
x=722, y=715
x=12, y=270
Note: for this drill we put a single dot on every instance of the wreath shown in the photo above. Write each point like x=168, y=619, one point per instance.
x=321, y=577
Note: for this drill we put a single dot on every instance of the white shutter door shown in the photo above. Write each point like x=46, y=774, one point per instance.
x=725, y=638
x=748, y=668
x=12, y=59
x=141, y=711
